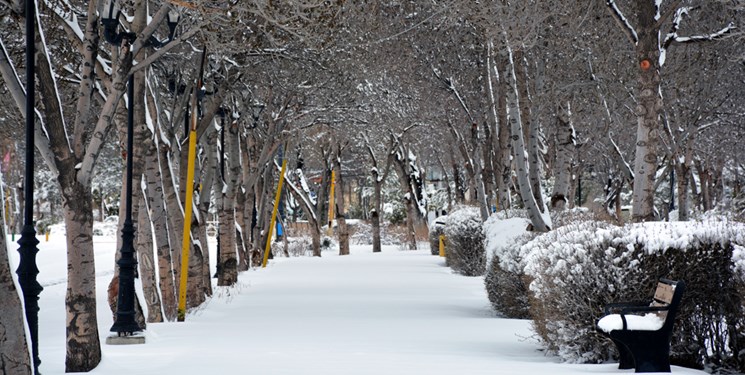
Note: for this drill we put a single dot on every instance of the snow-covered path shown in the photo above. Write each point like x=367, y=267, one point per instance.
x=396, y=312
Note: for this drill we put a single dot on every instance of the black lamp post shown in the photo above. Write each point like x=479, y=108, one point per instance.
x=27, y=269
x=672, y=188
x=124, y=323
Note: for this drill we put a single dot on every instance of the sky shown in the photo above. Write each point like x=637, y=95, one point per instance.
x=395, y=312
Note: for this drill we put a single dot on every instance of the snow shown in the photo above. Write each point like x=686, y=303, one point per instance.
x=646, y=322
x=395, y=312
x=501, y=232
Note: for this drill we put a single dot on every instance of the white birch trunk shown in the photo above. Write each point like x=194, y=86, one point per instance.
x=341, y=215
x=521, y=157
x=14, y=350
x=146, y=262
x=228, y=257
x=565, y=150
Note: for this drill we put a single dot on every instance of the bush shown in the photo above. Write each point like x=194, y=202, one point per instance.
x=579, y=268
x=507, y=291
x=505, y=281
x=464, y=246
x=435, y=230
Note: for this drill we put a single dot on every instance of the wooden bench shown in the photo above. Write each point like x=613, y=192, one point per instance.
x=642, y=331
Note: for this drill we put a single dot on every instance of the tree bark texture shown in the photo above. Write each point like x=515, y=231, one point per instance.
x=228, y=257
x=14, y=350
x=565, y=150
x=341, y=219
x=158, y=216
x=521, y=156
x=146, y=262
x=208, y=181
x=530, y=127
x=410, y=180
x=83, y=344
x=503, y=163
x=83, y=351
x=648, y=112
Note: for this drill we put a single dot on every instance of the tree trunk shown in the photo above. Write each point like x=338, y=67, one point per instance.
x=375, y=221
x=158, y=216
x=83, y=344
x=341, y=219
x=315, y=235
x=260, y=198
x=648, y=113
x=460, y=196
x=683, y=172
x=565, y=149
x=209, y=167
x=530, y=127
x=146, y=261
x=521, y=156
x=14, y=350
x=83, y=349
x=503, y=163
x=228, y=258
x=241, y=229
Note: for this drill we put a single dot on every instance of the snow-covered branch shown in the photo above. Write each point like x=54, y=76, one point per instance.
x=450, y=86
x=705, y=38
x=17, y=91
x=620, y=154
x=623, y=22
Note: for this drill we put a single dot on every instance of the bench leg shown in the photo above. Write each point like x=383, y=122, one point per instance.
x=650, y=351
x=625, y=359
x=654, y=360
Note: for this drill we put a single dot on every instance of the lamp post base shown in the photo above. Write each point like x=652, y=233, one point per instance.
x=125, y=340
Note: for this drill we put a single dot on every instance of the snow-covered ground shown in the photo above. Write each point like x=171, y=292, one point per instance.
x=396, y=312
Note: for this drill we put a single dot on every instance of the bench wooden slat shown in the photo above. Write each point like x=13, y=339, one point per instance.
x=664, y=293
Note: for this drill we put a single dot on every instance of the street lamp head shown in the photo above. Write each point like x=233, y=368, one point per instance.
x=110, y=11
x=172, y=20
x=110, y=21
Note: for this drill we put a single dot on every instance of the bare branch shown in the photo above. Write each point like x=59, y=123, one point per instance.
x=622, y=21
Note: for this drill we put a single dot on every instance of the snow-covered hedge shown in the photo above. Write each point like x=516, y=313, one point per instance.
x=508, y=289
x=435, y=230
x=464, y=246
x=505, y=282
x=578, y=268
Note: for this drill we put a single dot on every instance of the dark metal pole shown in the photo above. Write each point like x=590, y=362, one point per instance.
x=218, y=265
x=27, y=269
x=124, y=323
x=672, y=188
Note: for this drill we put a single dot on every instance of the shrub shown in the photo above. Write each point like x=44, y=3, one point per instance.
x=435, y=230
x=507, y=291
x=579, y=268
x=505, y=282
x=464, y=246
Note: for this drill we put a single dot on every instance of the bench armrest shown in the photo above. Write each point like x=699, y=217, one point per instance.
x=640, y=309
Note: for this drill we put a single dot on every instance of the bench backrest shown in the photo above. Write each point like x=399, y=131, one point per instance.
x=668, y=293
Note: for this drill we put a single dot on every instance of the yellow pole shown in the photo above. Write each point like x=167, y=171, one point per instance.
x=329, y=231
x=47, y=236
x=274, y=214
x=187, y=223
x=189, y=199
x=442, y=245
